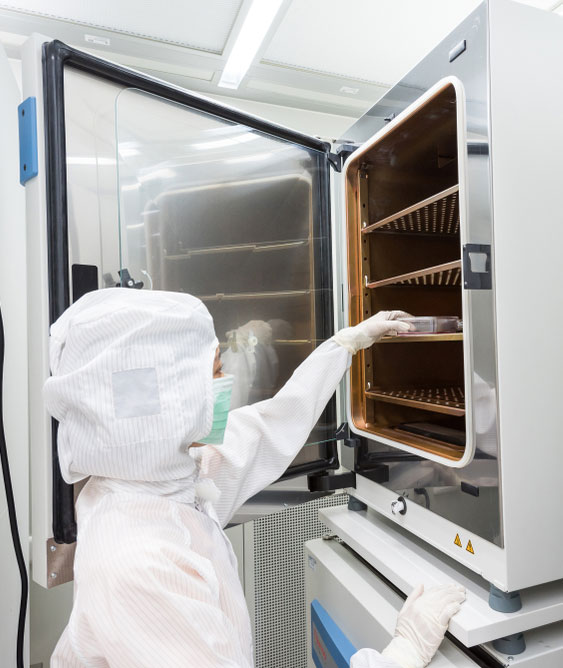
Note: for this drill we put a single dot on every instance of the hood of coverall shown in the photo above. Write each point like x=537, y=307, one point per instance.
x=131, y=384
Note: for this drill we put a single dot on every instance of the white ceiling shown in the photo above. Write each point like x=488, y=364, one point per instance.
x=201, y=25
x=382, y=39
x=330, y=56
x=541, y=4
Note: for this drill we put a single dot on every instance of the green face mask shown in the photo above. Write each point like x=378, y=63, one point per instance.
x=222, y=388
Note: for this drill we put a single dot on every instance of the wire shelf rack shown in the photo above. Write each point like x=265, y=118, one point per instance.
x=259, y=247
x=438, y=214
x=423, y=338
x=442, y=275
x=245, y=296
x=284, y=342
x=449, y=400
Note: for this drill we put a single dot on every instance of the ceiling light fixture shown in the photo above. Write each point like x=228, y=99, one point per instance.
x=89, y=161
x=348, y=90
x=223, y=143
x=258, y=157
x=164, y=173
x=128, y=151
x=250, y=37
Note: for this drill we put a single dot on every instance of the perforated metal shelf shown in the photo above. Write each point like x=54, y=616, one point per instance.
x=438, y=214
x=259, y=247
x=449, y=400
x=285, y=342
x=243, y=296
x=441, y=275
x=422, y=338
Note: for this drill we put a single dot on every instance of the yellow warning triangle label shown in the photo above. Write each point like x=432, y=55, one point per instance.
x=457, y=540
x=469, y=548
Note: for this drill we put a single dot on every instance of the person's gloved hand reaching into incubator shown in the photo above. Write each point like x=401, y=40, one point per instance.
x=368, y=332
x=136, y=385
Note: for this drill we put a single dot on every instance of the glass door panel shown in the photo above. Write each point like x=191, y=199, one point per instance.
x=231, y=215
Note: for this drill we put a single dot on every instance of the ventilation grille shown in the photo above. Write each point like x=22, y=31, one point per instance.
x=279, y=581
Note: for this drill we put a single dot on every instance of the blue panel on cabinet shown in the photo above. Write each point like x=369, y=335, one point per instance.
x=331, y=648
x=27, y=120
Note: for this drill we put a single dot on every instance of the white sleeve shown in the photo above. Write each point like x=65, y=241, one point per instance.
x=370, y=658
x=262, y=439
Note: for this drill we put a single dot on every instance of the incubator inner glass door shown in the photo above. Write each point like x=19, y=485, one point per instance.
x=404, y=227
x=232, y=216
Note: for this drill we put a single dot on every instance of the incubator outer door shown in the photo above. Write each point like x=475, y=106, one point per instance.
x=232, y=192
x=405, y=227
x=232, y=215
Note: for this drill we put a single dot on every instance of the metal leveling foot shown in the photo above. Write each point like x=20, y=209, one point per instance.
x=504, y=601
x=513, y=644
x=354, y=504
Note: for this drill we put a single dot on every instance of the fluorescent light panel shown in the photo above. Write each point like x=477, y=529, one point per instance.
x=163, y=173
x=258, y=157
x=222, y=143
x=250, y=37
x=89, y=160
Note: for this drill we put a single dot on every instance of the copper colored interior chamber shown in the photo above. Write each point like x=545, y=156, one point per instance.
x=403, y=221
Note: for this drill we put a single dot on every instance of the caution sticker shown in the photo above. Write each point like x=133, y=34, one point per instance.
x=469, y=548
x=457, y=540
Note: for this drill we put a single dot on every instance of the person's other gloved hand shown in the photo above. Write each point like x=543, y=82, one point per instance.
x=422, y=623
x=366, y=333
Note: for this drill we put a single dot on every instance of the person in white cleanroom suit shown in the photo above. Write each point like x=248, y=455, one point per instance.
x=156, y=582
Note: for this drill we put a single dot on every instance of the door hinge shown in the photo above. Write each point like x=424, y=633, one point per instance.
x=339, y=156
x=27, y=125
x=328, y=482
x=335, y=161
x=343, y=434
x=127, y=281
x=366, y=464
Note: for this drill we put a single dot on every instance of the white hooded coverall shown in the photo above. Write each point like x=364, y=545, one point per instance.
x=156, y=583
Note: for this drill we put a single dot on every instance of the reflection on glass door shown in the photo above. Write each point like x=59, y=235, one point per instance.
x=233, y=216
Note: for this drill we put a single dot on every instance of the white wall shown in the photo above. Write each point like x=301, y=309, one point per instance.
x=48, y=609
x=14, y=400
x=16, y=67
x=327, y=126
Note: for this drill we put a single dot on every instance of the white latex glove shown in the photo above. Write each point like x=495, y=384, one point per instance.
x=384, y=323
x=369, y=658
x=422, y=623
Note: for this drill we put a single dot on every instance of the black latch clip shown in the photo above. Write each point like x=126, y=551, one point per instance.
x=328, y=482
x=477, y=274
x=127, y=281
